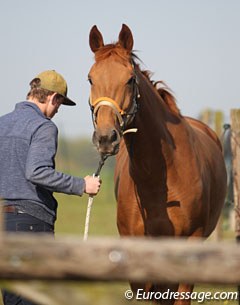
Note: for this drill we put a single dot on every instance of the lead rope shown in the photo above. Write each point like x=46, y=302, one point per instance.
x=90, y=198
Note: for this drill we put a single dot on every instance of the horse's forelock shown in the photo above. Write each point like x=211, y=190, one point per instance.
x=112, y=50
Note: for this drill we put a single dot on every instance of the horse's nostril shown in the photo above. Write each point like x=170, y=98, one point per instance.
x=103, y=140
x=106, y=141
x=114, y=136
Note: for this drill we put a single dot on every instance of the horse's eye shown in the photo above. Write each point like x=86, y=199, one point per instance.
x=131, y=80
x=90, y=81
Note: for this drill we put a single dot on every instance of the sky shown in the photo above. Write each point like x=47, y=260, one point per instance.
x=192, y=45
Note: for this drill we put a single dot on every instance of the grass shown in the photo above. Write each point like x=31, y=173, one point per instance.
x=72, y=212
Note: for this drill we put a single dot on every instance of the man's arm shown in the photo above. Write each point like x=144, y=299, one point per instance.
x=40, y=165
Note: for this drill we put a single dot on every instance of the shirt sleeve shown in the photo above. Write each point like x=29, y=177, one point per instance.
x=40, y=165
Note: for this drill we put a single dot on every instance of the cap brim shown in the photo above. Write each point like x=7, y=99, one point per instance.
x=68, y=102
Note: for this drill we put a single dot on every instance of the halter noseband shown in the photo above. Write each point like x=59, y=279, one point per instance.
x=124, y=118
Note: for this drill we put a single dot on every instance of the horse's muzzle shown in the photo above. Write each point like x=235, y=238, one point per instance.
x=107, y=141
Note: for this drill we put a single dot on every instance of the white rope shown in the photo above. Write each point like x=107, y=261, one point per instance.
x=89, y=206
x=90, y=199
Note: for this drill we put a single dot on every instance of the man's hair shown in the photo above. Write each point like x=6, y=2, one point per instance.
x=37, y=92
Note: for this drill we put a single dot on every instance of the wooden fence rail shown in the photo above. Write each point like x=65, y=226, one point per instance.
x=28, y=257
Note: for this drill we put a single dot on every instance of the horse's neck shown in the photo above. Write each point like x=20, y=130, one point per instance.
x=144, y=145
x=152, y=148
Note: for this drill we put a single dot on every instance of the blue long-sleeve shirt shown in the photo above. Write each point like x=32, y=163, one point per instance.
x=28, y=144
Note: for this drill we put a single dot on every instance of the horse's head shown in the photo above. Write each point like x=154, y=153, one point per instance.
x=114, y=90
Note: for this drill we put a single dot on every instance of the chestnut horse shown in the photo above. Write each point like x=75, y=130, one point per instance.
x=170, y=177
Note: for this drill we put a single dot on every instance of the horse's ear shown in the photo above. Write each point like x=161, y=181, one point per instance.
x=95, y=39
x=125, y=38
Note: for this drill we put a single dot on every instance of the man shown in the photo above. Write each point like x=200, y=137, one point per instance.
x=28, y=177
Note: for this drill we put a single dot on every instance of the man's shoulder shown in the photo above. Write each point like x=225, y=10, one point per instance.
x=7, y=120
x=47, y=125
x=24, y=121
x=32, y=114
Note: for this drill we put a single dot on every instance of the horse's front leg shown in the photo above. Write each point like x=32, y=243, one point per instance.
x=185, y=291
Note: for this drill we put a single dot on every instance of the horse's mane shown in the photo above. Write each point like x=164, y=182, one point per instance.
x=119, y=52
x=164, y=91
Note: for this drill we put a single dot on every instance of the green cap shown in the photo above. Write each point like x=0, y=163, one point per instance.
x=53, y=81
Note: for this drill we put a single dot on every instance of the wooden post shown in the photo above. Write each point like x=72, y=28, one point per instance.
x=207, y=117
x=235, y=144
x=214, y=119
x=218, y=123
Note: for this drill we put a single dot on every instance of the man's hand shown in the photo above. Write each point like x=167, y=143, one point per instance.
x=92, y=185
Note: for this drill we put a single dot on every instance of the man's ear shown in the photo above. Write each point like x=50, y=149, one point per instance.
x=53, y=98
